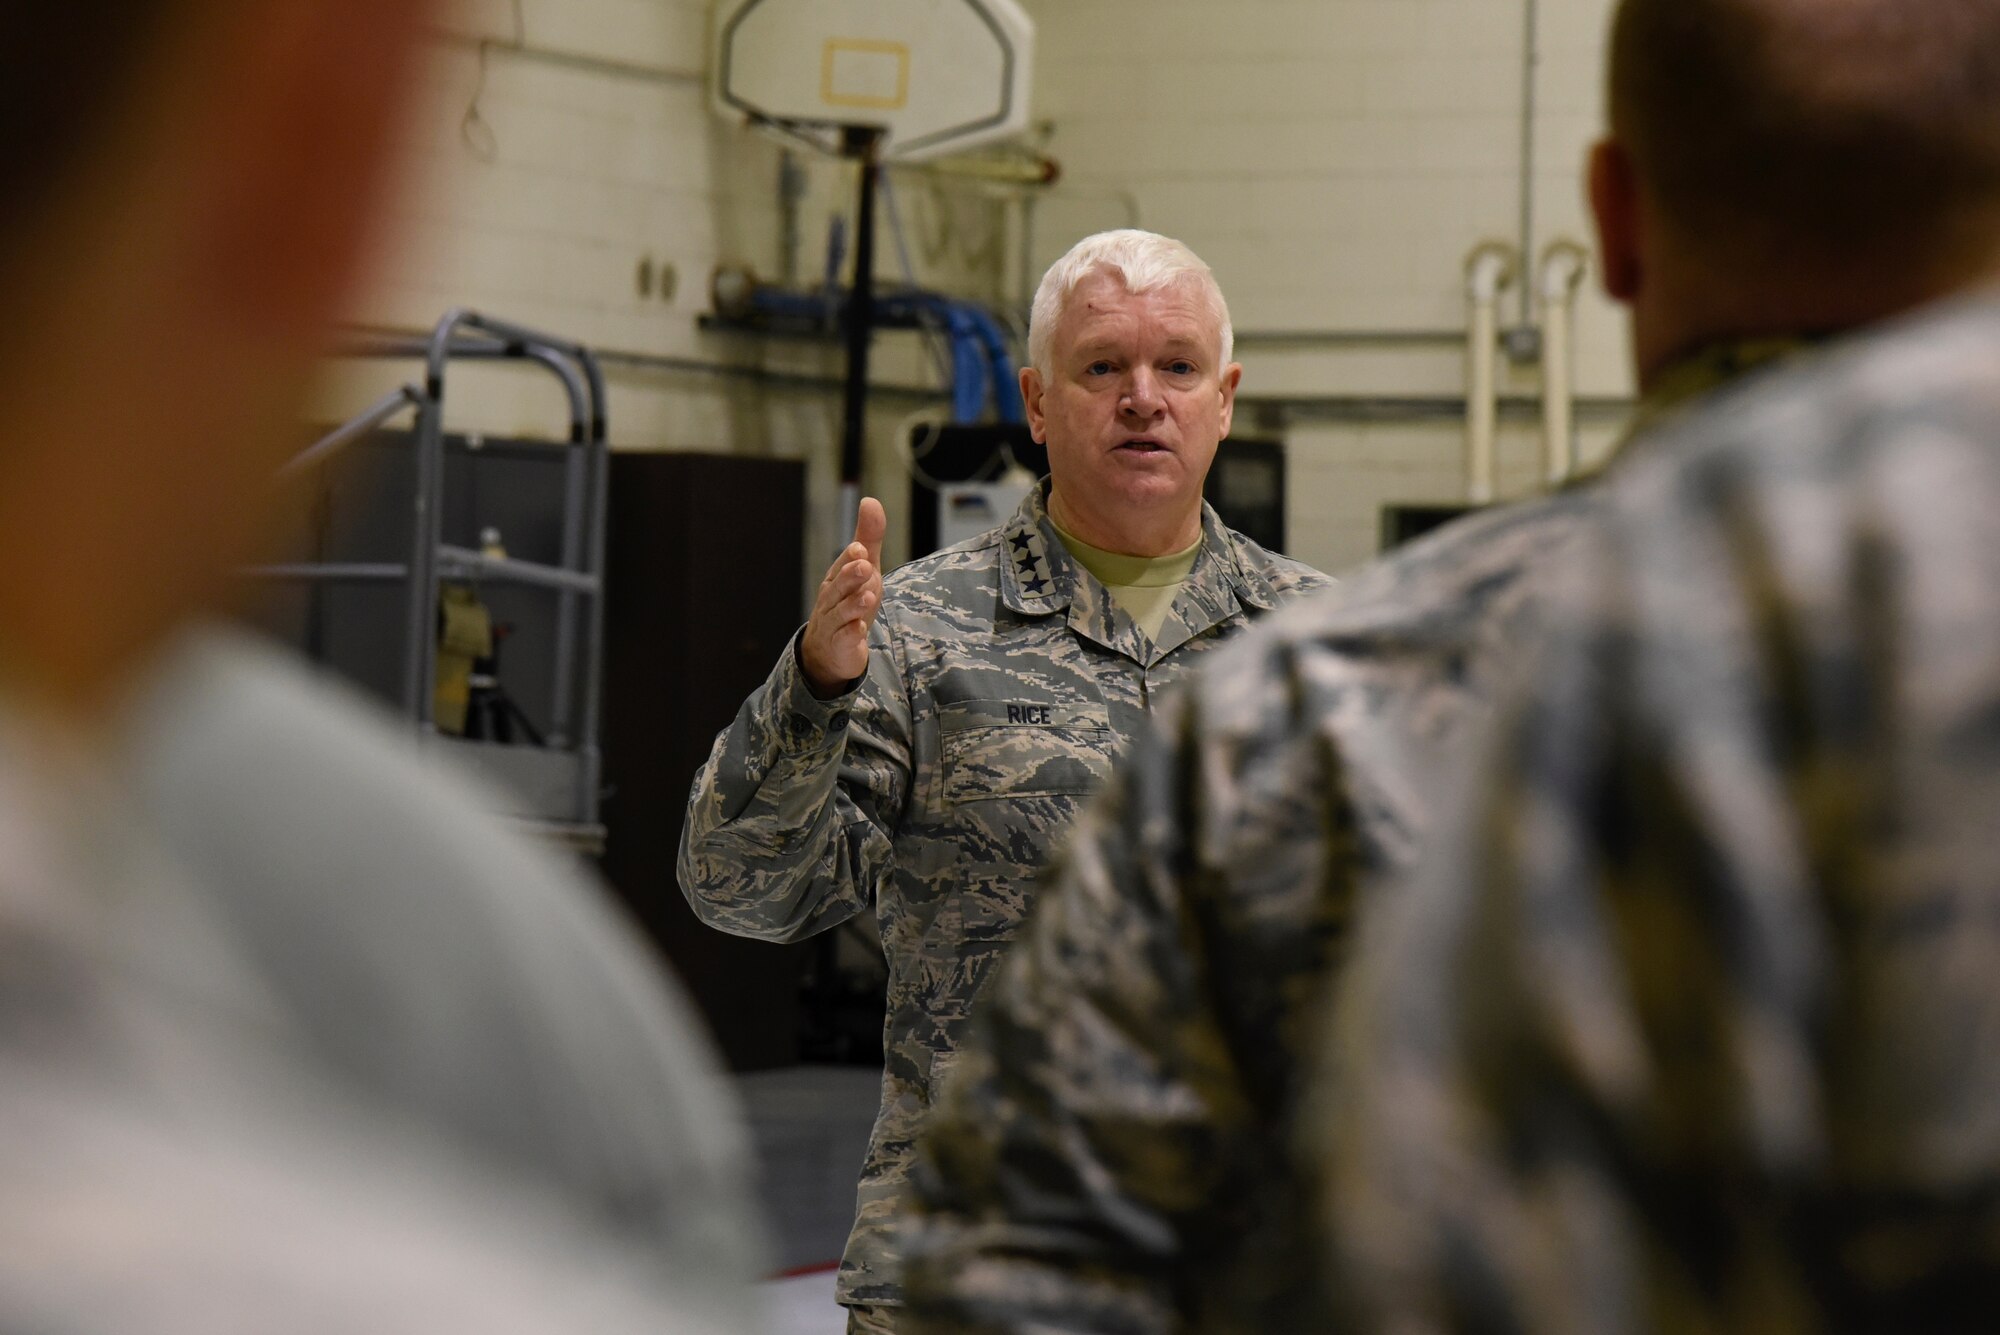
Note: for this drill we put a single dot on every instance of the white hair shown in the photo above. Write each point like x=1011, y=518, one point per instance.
x=1144, y=261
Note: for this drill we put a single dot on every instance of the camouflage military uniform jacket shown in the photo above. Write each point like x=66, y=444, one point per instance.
x=1112, y=1156
x=1003, y=685
x=1116, y=1155
x=1694, y=1027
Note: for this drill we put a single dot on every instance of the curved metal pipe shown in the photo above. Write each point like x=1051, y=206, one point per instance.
x=587, y=427
x=427, y=528
x=386, y=409
x=1562, y=270
x=586, y=484
x=1489, y=270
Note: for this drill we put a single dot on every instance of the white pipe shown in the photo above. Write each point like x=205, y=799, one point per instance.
x=1489, y=270
x=1562, y=274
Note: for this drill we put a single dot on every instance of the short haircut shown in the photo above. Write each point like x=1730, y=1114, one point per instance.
x=67, y=68
x=1828, y=131
x=1144, y=262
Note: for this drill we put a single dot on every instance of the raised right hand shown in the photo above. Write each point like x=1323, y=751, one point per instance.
x=835, y=649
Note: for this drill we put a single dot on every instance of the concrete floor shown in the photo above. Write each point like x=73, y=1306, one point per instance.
x=810, y=1127
x=803, y=1305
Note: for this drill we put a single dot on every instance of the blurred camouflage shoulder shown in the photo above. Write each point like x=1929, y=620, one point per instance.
x=1431, y=602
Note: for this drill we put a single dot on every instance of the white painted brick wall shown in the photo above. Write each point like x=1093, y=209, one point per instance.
x=587, y=174
x=1333, y=159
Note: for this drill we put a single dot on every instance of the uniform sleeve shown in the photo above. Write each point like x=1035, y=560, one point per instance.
x=790, y=822
x=1100, y=1136
x=1568, y=1061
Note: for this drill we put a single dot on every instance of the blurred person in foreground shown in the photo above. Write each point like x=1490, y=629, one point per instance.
x=1691, y=1024
x=1120, y=1151
x=187, y=192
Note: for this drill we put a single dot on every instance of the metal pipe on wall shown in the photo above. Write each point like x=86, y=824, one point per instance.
x=1282, y=412
x=1562, y=270
x=1489, y=270
x=1351, y=338
x=864, y=145
x=1020, y=169
x=1531, y=60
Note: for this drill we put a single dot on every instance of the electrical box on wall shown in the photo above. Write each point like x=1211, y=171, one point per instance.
x=939, y=76
x=968, y=509
x=970, y=478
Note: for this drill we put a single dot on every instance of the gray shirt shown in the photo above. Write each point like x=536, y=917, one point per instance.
x=174, y=1157
x=467, y=976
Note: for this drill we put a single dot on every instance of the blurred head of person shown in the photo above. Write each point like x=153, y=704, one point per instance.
x=1795, y=167
x=189, y=192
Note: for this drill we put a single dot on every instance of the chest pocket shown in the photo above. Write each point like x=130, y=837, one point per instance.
x=1018, y=748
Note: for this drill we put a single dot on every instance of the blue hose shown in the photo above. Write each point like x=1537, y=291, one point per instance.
x=982, y=366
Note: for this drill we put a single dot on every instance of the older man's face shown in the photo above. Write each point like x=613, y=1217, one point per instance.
x=1133, y=404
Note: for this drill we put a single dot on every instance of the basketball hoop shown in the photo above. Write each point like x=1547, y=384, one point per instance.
x=876, y=81
x=935, y=76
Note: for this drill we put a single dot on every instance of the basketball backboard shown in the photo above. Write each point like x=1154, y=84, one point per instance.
x=938, y=76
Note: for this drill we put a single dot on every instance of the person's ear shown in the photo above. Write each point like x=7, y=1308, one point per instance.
x=1232, y=376
x=1615, y=204
x=299, y=154
x=1031, y=399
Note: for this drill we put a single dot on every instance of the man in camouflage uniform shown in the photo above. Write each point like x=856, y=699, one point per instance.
x=1691, y=1025
x=926, y=741
x=1118, y=1152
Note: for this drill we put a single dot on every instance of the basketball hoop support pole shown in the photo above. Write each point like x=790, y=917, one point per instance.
x=863, y=143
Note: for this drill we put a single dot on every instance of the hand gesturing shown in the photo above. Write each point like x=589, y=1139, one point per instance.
x=835, y=649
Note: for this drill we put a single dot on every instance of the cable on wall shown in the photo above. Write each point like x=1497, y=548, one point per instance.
x=933, y=336
x=473, y=128
x=1531, y=60
x=478, y=132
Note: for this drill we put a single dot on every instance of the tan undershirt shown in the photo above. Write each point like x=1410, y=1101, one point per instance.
x=1145, y=586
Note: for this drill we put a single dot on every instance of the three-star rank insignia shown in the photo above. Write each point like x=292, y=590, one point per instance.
x=1026, y=564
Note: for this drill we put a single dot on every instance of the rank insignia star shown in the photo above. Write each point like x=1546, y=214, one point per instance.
x=1022, y=542
x=1036, y=585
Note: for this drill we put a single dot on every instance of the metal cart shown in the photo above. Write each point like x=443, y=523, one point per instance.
x=552, y=788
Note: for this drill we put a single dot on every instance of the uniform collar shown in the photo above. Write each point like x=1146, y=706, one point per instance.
x=1038, y=577
x=1688, y=380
